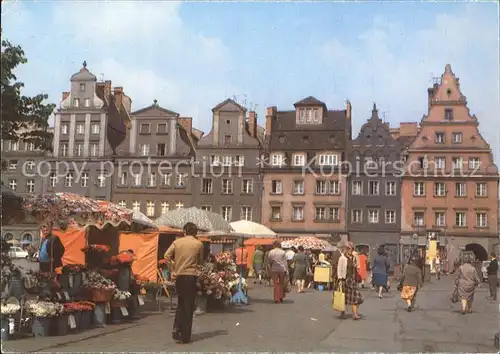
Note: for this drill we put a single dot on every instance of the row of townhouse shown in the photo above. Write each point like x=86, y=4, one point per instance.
x=300, y=174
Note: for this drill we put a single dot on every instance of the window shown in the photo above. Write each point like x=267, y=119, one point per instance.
x=439, y=138
x=239, y=160
x=94, y=149
x=298, y=213
x=214, y=160
x=440, y=163
x=390, y=216
x=150, y=208
x=227, y=160
x=166, y=179
x=227, y=186
x=448, y=114
x=79, y=149
x=144, y=149
x=419, y=189
x=247, y=186
x=439, y=189
x=179, y=205
x=14, y=146
x=440, y=218
x=456, y=138
x=422, y=162
x=457, y=163
x=68, y=181
x=161, y=150
x=418, y=218
x=481, y=190
x=460, y=189
x=82, y=87
x=95, y=128
x=277, y=160
x=227, y=139
x=87, y=102
x=80, y=129
x=162, y=128
x=390, y=188
x=320, y=213
x=13, y=184
x=298, y=187
x=474, y=163
x=226, y=212
x=64, y=149
x=246, y=213
x=334, y=187
x=137, y=180
x=85, y=179
x=53, y=179
x=460, y=219
x=101, y=181
x=357, y=216
x=334, y=213
x=30, y=165
x=299, y=160
x=206, y=186
x=164, y=207
x=12, y=164
x=123, y=178
x=136, y=206
x=122, y=203
x=181, y=180
x=144, y=128
x=206, y=207
x=76, y=102
x=357, y=188
x=481, y=219
x=275, y=213
x=373, y=216
x=152, y=180
x=321, y=187
x=373, y=187
x=30, y=146
x=328, y=160
x=276, y=187
x=30, y=186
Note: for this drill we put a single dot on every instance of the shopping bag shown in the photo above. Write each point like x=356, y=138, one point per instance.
x=338, y=301
x=287, y=285
x=454, y=296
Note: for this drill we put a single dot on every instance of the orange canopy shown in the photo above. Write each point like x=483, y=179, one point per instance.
x=73, y=241
x=145, y=247
x=259, y=241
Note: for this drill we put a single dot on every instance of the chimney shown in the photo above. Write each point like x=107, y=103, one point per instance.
x=118, y=93
x=430, y=94
x=348, y=110
x=252, y=124
x=349, y=119
x=107, y=89
x=65, y=95
x=270, y=115
x=187, y=124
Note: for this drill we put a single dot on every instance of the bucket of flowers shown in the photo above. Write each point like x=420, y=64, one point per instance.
x=81, y=312
x=95, y=254
x=120, y=298
x=101, y=289
x=224, y=258
x=43, y=312
x=71, y=277
x=8, y=313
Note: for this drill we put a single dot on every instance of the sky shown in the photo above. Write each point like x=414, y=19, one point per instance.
x=190, y=56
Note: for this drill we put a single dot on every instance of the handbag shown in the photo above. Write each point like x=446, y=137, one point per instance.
x=454, y=296
x=338, y=301
x=287, y=285
x=357, y=277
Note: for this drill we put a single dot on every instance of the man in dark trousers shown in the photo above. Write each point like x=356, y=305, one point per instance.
x=492, y=271
x=54, y=251
x=187, y=254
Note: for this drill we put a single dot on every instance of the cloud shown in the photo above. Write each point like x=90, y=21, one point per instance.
x=394, y=67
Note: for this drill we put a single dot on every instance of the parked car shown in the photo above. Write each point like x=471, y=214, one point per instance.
x=17, y=252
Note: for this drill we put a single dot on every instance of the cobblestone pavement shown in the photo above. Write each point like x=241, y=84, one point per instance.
x=305, y=322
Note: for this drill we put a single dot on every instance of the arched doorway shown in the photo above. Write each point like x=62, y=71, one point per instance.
x=8, y=236
x=27, y=238
x=479, y=252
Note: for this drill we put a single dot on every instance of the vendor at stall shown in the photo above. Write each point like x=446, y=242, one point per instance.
x=52, y=251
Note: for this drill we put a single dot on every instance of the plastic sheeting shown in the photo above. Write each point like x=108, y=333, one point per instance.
x=73, y=241
x=145, y=247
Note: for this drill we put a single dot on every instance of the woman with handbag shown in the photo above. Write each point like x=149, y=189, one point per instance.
x=410, y=283
x=346, y=283
x=466, y=282
x=301, y=264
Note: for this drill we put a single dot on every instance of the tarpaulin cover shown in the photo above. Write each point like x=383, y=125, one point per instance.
x=145, y=247
x=73, y=241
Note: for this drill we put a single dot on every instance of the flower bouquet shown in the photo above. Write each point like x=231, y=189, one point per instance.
x=122, y=258
x=224, y=258
x=210, y=283
x=9, y=309
x=120, y=298
x=43, y=309
x=74, y=268
x=78, y=306
x=101, y=288
x=96, y=248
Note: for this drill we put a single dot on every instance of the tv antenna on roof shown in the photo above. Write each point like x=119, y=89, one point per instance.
x=101, y=76
x=435, y=80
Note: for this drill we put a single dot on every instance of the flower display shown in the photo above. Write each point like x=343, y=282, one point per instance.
x=97, y=281
x=74, y=268
x=96, y=248
x=44, y=308
x=121, y=295
x=78, y=306
x=9, y=309
x=308, y=242
x=224, y=258
x=122, y=258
